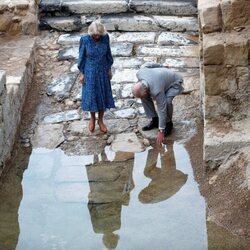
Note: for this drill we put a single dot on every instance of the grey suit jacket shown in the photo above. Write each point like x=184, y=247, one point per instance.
x=162, y=83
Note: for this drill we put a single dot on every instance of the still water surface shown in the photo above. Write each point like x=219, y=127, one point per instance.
x=147, y=200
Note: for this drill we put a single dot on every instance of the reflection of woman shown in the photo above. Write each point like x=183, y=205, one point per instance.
x=165, y=181
x=95, y=61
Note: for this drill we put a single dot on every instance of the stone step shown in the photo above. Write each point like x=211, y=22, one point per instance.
x=123, y=22
x=177, y=8
x=69, y=7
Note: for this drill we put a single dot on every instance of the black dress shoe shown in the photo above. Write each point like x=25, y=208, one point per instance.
x=153, y=124
x=168, y=129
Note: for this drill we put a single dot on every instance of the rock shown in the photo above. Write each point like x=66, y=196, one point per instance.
x=131, y=62
x=122, y=49
x=68, y=39
x=243, y=77
x=62, y=117
x=80, y=128
x=124, y=76
x=213, y=45
x=177, y=39
x=95, y=7
x=191, y=83
x=127, y=142
x=169, y=51
x=61, y=86
x=177, y=24
x=182, y=132
x=5, y=22
x=129, y=22
x=182, y=8
x=210, y=15
x=85, y=146
x=184, y=62
x=69, y=103
x=68, y=53
x=110, y=139
x=146, y=142
x=48, y=136
x=136, y=37
x=74, y=68
x=78, y=94
x=67, y=24
x=125, y=113
x=117, y=126
x=50, y=5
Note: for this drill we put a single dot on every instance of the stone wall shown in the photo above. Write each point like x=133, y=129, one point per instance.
x=225, y=74
x=15, y=80
x=19, y=16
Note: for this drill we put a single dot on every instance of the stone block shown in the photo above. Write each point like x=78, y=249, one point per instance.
x=210, y=15
x=30, y=25
x=236, y=49
x=216, y=107
x=177, y=8
x=215, y=79
x=5, y=22
x=235, y=13
x=213, y=49
x=95, y=7
x=176, y=39
x=243, y=77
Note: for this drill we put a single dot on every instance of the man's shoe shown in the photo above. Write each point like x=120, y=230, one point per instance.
x=168, y=129
x=153, y=124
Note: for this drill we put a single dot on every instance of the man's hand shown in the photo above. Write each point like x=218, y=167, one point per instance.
x=160, y=137
x=110, y=74
x=82, y=79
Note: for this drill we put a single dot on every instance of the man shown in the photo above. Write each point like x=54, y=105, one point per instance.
x=161, y=84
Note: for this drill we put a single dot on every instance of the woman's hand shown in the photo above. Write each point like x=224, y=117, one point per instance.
x=110, y=74
x=82, y=79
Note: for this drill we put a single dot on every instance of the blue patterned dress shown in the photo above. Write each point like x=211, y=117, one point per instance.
x=94, y=62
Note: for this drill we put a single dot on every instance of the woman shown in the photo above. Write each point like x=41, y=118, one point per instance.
x=95, y=61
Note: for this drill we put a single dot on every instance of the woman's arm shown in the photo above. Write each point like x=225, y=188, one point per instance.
x=82, y=58
x=109, y=54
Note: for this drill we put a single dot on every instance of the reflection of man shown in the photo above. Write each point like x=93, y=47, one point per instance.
x=165, y=181
x=161, y=84
x=110, y=185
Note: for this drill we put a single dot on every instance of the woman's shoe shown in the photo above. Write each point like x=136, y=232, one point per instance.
x=91, y=126
x=102, y=127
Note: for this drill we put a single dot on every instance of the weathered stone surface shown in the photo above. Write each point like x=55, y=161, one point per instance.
x=68, y=53
x=131, y=62
x=219, y=143
x=176, y=39
x=243, y=77
x=117, y=126
x=50, y=5
x=213, y=44
x=173, y=23
x=183, y=62
x=170, y=51
x=2, y=81
x=48, y=136
x=62, y=117
x=216, y=106
x=210, y=15
x=183, y=8
x=127, y=142
x=61, y=23
x=235, y=13
x=182, y=131
x=191, y=83
x=122, y=49
x=95, y=7
x=68, y=39
x=124, y=76
x=128, y=22
x=92, y=145
x=61, y=86
x=136, y=37
x=74, y=68
x=125, y=113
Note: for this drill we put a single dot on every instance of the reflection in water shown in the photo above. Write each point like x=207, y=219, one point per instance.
x=92, y=202
x=110, y=185
x=166, y=179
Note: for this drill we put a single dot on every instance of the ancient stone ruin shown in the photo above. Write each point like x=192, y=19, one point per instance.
x=207, y=42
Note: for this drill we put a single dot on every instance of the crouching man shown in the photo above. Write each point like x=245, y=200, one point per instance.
x=157, y=82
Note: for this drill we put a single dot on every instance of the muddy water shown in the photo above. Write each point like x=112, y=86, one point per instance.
x=147, y=200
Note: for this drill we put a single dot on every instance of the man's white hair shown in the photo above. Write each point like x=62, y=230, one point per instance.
x=97, y=28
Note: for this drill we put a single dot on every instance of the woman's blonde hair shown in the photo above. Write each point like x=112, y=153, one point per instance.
x=97, y=28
